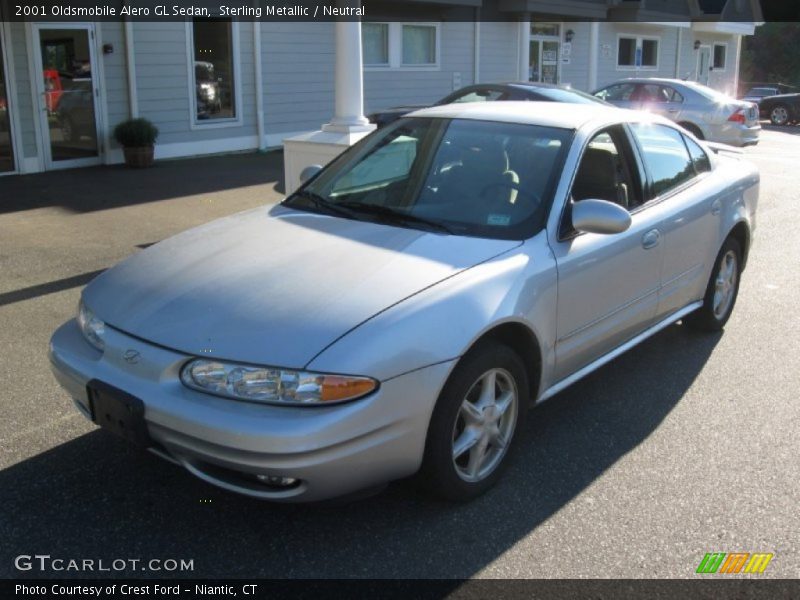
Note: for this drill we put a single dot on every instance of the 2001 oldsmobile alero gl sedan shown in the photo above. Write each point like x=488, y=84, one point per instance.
x=402, y=309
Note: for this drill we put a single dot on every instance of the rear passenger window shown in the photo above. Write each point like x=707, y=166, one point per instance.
x=665, y=156
x=702, y=164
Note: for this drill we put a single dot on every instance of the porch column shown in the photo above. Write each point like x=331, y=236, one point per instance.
x=524, y=53
x=594, y=51
x=737, y=64
x=348, y=124
x=349, y=81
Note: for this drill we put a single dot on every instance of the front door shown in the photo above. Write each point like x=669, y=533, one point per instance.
x=67, y=94
x=703, y=64
x=544, y=51
x=607, y=283
x=6, y=147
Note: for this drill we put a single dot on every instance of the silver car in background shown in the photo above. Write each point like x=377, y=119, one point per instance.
x=707, y=113
x=401, y=311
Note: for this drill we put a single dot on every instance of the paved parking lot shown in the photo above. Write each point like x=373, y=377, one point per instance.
x=685, y=446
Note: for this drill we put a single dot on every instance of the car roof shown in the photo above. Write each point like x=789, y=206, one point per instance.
x=548, y=114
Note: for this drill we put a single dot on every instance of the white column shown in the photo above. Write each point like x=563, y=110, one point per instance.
x=348, y=124
x=349, y=81
x=259, y=76
x=737, y=64
x=594, y=54
x=524, y=48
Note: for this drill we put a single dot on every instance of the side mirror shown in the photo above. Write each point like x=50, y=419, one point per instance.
x=309, y=172
x=600, y=216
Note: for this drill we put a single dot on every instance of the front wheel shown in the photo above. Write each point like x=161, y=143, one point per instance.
x=779, y=115
x=474, y=423
x=722, y=290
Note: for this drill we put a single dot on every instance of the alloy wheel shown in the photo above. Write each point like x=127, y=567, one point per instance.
x=484, y=425
x=725, y=284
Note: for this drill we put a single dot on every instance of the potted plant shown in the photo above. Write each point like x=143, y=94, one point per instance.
x=137, y=136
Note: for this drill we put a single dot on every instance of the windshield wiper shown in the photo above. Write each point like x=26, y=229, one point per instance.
x=320, y=202
x=390, y=214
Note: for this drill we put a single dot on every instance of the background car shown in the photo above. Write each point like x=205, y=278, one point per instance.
x=400, y=311
x=708, y=114
x=489, y=92
x=756, y=94
x=782, y=109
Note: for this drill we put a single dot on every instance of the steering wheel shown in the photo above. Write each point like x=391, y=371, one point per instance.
x=521, y=191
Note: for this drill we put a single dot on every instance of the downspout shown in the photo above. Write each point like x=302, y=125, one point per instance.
x=678, y=54
x=130, y=63
x=259, y=84
x=476, y=67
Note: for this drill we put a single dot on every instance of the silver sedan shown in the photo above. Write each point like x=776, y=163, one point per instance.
x=402, y=310
x=707, y=113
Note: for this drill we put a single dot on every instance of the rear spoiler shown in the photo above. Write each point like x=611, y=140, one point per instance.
x=717, y=148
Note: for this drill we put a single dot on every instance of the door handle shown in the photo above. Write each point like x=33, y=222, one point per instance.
x=651, y=239
x=716, y=207
x=672, y=110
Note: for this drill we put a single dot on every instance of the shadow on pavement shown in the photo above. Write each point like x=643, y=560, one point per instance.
x=104, y=187
x=97, y=497
x=790, y=129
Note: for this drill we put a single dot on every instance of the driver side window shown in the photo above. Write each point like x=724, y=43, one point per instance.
x=604, y=173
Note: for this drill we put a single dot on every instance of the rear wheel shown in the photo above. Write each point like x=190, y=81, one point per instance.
x=473, y=426
x=694, y=129
x=722, y=290
x=779, y=115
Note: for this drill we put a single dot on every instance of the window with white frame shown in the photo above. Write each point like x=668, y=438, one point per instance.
x=720, y=56
x=637, y=52
x=213, y=51
x=400, y=45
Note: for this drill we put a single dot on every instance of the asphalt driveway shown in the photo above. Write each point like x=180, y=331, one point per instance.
x=684, y=446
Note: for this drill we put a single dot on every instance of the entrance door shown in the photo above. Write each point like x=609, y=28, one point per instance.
x=6, y=147
x=544, y=51
x=67, y=91
x=703, y=64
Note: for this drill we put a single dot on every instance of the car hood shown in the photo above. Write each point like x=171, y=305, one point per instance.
x=275, y=286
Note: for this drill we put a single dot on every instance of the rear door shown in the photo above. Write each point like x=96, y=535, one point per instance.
x=659, y=99
x=678, y=182
x=607, y=284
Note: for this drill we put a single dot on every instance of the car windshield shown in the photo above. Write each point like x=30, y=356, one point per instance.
x=573, y=96
x=459, y=176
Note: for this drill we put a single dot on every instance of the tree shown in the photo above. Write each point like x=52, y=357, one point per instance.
x=772, y=55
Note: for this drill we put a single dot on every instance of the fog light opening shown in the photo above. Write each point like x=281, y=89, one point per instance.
x=277, y=481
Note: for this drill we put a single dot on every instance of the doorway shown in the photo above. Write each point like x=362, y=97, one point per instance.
x=67, y=93
x=703, y=64
x=545, y=45
x=6, y=145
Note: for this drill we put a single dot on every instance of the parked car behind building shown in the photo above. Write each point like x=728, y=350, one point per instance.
x=708, y=114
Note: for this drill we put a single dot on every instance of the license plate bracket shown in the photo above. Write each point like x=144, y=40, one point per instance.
x=118, y=412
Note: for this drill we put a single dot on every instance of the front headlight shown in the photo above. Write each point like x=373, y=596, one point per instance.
x=93, y=328
x=272, y=386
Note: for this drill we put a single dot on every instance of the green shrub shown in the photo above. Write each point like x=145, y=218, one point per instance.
x=135, y=133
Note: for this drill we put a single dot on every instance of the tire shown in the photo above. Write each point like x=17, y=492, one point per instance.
x=694, y=129
x=780, y=115
x=467, y=413
x=722, y=290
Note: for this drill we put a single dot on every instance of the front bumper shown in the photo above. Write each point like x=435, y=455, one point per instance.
x=331, y=451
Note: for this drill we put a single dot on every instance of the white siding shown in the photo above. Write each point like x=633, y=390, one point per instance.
x=499, y=52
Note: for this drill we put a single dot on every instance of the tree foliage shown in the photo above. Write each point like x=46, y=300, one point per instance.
x=772, y=55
